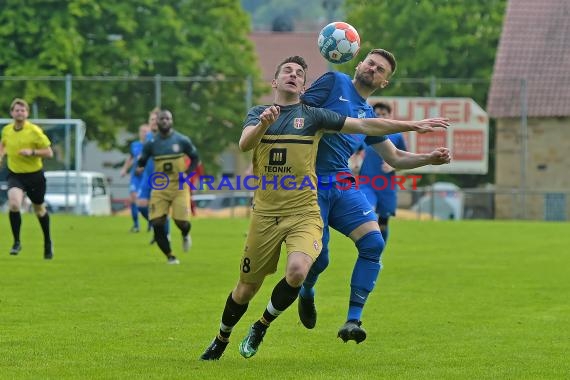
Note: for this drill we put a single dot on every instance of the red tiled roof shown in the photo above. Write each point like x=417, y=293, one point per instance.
x=534, y=46
x=273, y=47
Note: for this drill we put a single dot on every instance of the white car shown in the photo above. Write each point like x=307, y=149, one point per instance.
x=94, y=192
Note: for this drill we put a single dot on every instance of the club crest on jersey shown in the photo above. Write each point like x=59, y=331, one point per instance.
x=361, y=114
x=299, y=122
x=316, y=245
x=175, y=148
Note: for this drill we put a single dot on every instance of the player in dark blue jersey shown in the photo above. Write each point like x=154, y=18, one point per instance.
x=168, y=149
x=284, y=138
x=382, y=194
x=347, y=210
x=129, y=167
x=143, y=195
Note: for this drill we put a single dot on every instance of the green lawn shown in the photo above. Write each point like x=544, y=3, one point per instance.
x=456, y=300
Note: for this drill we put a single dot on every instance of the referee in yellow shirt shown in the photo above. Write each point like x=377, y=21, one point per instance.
x=25, y=144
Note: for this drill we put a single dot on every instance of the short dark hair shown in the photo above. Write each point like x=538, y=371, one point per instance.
x=386, y=54
x=382, y=106
x=294, y=59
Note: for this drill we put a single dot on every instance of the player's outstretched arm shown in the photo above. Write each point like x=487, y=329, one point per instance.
x=381, y=126
x=400, y=159
x=252, y=134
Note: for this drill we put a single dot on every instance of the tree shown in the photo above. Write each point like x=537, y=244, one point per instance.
x=433, y=39
x=204, y=41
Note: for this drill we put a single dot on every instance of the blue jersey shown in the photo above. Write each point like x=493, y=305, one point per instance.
x=149, y=167
x=372, y=163
x=381, y=189
x=335, y=91
x=135, y=151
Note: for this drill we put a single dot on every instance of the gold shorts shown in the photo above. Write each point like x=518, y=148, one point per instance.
x=300, y=233
x=161, y=201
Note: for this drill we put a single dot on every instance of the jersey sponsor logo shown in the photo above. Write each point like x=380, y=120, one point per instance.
x=343, y=99
x=278, y=156
x=299, y=122
x=175, y=148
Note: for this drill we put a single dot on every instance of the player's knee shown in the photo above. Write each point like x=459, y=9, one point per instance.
x=14, y=207
x=39, y=210
x=296, y=274
x=159, y=222
x=370, y=246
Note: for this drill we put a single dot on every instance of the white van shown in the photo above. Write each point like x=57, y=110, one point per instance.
x=94, y=192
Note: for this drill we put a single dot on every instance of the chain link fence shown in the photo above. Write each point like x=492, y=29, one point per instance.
x=524, y=179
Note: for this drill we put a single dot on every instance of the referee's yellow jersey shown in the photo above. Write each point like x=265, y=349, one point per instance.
x=29, y=137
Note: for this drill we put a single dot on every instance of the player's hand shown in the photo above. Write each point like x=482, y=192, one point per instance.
x=430, y=125
x=26, y=152
x=386, y=168
x=269, y=115
x=440, y=156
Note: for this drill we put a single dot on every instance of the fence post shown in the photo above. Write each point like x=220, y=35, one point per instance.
x=157, y=90
x=524, y=146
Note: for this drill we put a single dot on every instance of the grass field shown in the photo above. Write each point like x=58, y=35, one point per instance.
x=456, y=300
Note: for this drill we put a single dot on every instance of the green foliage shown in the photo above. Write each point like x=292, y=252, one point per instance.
x=433, y=40
x=441, y=39
x=206, y=41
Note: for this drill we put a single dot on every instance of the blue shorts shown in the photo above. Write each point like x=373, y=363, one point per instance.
x=134, y=184
x=344, y=210
x=144, y=188
x=384, y=202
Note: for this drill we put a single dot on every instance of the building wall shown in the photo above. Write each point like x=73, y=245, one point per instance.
x=546, y=170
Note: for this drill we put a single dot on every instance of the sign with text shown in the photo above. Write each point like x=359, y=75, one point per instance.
x=467, y=138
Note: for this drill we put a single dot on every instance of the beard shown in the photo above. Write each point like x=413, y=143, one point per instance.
x=365, y=79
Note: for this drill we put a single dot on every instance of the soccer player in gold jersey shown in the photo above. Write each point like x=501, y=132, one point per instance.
x=284, y=138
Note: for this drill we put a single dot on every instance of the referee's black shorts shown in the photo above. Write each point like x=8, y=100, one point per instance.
x=33, y=184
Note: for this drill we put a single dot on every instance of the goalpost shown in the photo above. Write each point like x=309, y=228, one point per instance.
x=66, y=136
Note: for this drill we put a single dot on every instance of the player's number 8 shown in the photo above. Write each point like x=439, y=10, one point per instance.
x=245, y=268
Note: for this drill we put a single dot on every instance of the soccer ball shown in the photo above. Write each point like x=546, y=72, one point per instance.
x=338, y=42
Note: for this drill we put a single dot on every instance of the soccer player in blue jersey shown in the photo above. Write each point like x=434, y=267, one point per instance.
x=347, y=210
x=129, y=167
x=284, y=139
x=383, y=193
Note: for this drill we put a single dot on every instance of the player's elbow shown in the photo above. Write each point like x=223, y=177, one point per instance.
x=244, y=146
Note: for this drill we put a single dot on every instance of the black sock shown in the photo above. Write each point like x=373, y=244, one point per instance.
x=185, y=228
x=231, y=316
x=15, y=223
x=282, y=297
x=44, y=222
x=161, y=239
